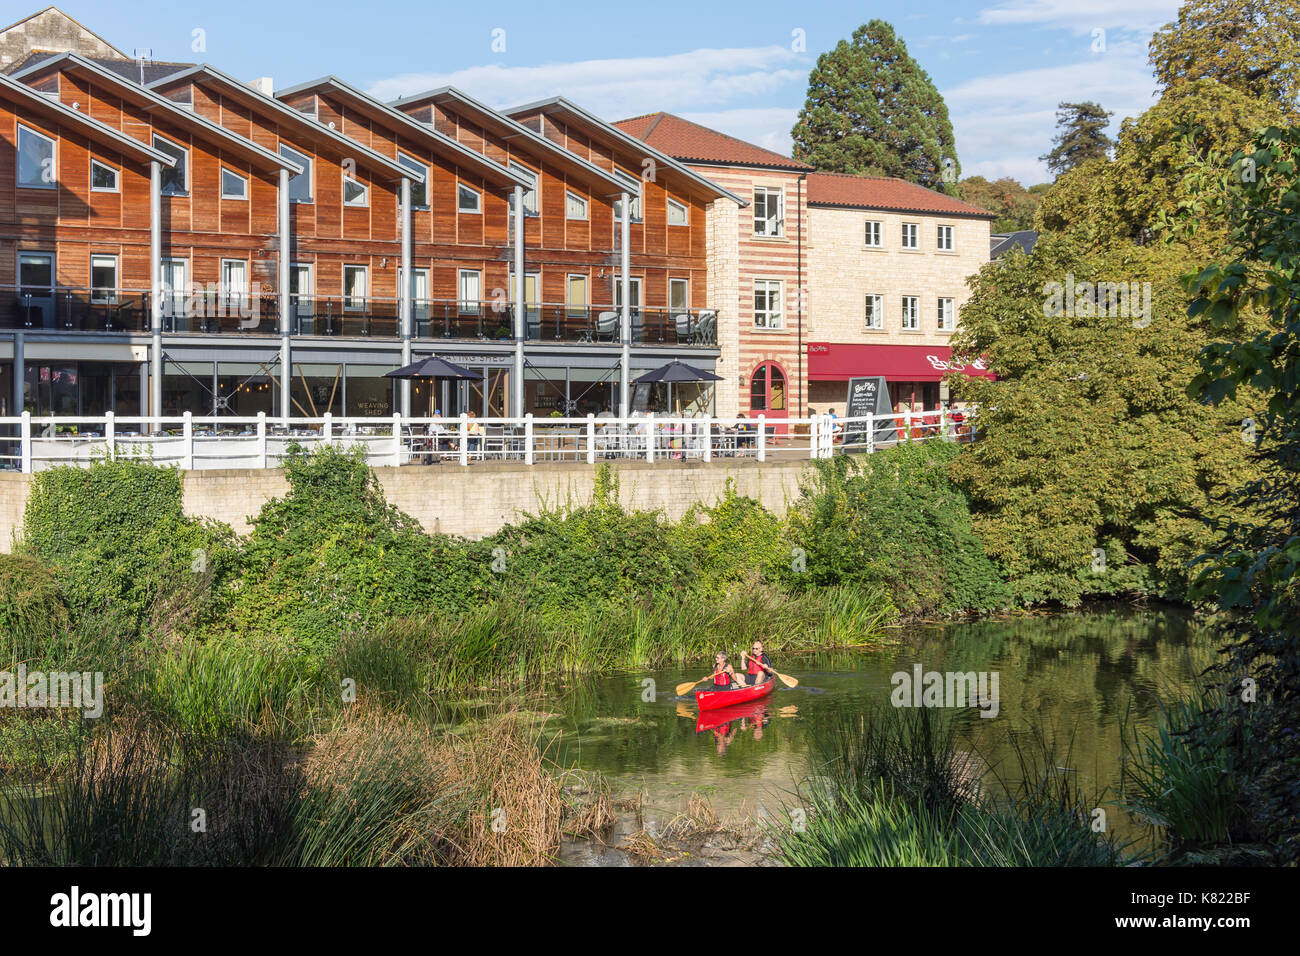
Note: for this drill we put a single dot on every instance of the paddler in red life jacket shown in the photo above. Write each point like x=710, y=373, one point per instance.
x=757, y=666
x=723, y=674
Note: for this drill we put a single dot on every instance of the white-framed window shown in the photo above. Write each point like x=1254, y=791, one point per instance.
x=874, y=233
x=530, y=192
x=234, y=282
x=679, y=295
x=470, y=283
x=300, y=289
x=103, y=279
x=103, y=177
x=911, y=313
x=769, y=211
x=767, y=304
x=468, y=199
x=175, y=179
x=233, y=185
x=634, y=187
x=575, y=207
x=299, y=184
x=355, y=283
x=911, y=236
x=874, y=316
x=355, y=193
x=419, y=191
x=175, y=286
x=947, y=315
x=37, y=164
x=679, y=214
x=577, y=295
x=943, y=239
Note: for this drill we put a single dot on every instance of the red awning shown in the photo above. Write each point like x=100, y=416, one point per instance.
x=835, y=362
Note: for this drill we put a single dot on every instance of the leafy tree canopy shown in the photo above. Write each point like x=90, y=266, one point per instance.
x=1252, y=46
x=1080, y=138
x=872, y=110
x=1014, y=205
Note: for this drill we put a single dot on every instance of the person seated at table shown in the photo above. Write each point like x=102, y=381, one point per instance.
x=475, y=432
x=437, y=433
x=744, y=432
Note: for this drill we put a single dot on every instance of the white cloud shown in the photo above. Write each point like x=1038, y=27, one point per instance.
x=1083, y=16
x=1003, y=122
x=619, y=87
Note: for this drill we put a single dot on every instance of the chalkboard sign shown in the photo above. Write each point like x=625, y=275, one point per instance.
x=868, y=396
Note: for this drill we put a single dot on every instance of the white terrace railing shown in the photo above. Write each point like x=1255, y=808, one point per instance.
x=31, y=443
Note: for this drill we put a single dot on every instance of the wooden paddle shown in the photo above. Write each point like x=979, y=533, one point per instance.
x=784, y=678
x=683, y=688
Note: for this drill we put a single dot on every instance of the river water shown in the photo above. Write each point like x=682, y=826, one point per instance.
x=1078, y=678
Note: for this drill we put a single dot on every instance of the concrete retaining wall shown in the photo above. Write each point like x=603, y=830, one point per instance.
x=477, y=500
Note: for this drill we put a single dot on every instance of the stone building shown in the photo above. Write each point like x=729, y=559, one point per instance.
x=51, y=31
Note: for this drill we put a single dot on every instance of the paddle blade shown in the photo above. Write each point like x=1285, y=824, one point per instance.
x=683, y=688
x=787, y=680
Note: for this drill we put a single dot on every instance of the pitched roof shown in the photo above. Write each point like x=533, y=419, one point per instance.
x=152, y=70
x=574, y=115
x=881, y=192
x=66, y=19
x=1000, y=243
x=691, y=142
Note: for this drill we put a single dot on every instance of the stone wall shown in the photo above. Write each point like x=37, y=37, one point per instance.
x=52, y=30
x=477, y=500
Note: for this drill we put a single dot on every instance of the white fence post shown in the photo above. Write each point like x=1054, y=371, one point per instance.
x=110, y=435
x=25, y=439
x=397, y=439
x=464, y=439
x=261, y=439
x=650, y=437
x=187, y=442
x=327, y=430
x=708, y=438
x=871, y=433
x=762, y=438
x=814, y=439
x=591, y=438
x=943, y=422
x=528, y=439
x=907, y=424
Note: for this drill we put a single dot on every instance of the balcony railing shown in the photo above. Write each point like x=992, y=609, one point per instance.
x=31, y=443
x=220, y=313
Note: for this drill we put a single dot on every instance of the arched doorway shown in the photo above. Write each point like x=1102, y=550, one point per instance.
x=769, y=393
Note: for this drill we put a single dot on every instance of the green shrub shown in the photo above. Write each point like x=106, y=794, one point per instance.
x=894, y=520
x=118, y=539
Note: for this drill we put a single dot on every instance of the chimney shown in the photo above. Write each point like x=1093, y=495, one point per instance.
x=264, y=85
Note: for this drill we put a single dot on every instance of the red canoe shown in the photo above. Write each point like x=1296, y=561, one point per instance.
x=711, y=719
x=713, y=699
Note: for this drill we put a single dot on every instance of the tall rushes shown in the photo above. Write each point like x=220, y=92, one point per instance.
x=891, y=788
x=1184, y=777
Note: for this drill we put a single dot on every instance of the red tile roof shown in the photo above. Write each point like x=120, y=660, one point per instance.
x=880, y=192
x=687, y=141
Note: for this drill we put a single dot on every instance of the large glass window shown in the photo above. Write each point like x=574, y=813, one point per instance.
x=103, y=178
x=419, y=191
x=354, y=287
x=769, y=212
x=36, y=165
x=679, y=295
x=175, y=179
x=103, y=279
x=530, y=192
x=577, y=300
x=678, y=213
x=468, y=199
x=299, y=184
x=767, y=304
x=233, y=185
x=911, y=313
x=471, y=291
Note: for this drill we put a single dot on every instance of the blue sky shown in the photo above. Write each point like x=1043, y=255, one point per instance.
x=1002, y=65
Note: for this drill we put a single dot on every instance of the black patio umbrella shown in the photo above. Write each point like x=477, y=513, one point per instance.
x=433, y=367
x=676, y=371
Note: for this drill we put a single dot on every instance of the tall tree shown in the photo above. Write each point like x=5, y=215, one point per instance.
x=1081, y=136
x=1250, y=45
x=1013, y=204
x=872, y=109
